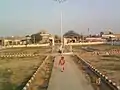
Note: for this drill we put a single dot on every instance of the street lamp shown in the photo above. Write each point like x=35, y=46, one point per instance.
x=12, y=40
x=34, y=39
x=61, y=21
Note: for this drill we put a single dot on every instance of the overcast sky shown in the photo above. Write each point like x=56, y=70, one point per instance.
x=21, y=17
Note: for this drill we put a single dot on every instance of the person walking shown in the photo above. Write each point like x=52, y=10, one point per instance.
x=60, y=49
x=98, y=83
x=62, y=64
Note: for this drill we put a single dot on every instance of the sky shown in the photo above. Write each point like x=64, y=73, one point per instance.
x=21, y=17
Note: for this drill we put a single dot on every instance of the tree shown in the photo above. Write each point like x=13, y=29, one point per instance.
x=56, y=37
x=101, y=33
x=27, y=39
x=36, y=38
x=110, y=32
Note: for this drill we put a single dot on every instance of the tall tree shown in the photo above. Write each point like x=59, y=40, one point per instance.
x=101, y=33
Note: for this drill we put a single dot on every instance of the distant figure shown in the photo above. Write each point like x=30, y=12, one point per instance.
x=62, y=63
x=60, y=49
x=98, y=83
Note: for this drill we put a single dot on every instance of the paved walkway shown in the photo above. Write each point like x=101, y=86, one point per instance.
x=70, y=79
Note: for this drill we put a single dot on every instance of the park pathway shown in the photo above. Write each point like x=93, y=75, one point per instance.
x=71, y=79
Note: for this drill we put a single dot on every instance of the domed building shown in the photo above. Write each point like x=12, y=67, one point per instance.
x=71, y=36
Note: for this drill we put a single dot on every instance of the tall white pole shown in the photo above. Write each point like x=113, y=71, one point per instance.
x=34, y=39
x=61, y=28
x=61, y=22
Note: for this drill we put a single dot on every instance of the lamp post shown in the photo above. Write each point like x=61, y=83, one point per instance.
x=34, y=39
x=88, y=32
x=27, y=38
x=12, y=40
x=61, y=22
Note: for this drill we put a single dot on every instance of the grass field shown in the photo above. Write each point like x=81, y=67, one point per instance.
x=14, y=72
x=107, y=64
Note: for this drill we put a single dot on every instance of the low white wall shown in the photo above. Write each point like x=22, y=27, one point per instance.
x=31, y=45
x=88, y=43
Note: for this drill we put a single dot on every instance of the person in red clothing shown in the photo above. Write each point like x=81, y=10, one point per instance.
x=62, y=63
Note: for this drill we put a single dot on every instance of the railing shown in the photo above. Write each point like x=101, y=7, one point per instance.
x=104, y=79
x=34, y=75
x=18, y=55
x=86, y=43
x=29, y=45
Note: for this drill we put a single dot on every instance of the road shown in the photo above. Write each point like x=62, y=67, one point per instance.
x=71, y=79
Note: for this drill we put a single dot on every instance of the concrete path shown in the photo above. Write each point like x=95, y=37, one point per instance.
x=71, y=79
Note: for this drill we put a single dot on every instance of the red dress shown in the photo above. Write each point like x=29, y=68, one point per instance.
x=61, y=63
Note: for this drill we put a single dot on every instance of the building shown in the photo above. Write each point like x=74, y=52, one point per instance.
x=42, y=37
x=95, y=39
x=117, y=37
x=13, y=40
x=72, y=36
x=38, y=38
x=1, y=41
x=110, y=37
